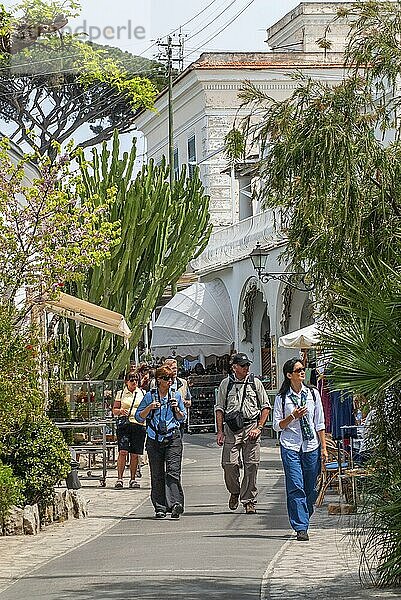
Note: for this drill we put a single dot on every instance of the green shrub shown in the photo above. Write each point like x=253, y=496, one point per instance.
x=20, y=394
x=10, y=492
x=40, y=458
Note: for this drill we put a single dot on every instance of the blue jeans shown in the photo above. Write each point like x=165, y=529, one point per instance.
x=301, y=472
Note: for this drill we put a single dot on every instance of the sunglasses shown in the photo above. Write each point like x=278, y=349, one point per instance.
x=133, y=379
x=299, y=370
x=166, y=378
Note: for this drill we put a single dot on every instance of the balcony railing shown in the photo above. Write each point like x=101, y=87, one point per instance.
x=237, y=241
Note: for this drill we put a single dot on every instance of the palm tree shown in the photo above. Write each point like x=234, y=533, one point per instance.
x=364, y=342
x=337, y=184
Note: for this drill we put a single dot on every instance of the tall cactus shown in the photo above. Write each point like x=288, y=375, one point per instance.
x=161, y=230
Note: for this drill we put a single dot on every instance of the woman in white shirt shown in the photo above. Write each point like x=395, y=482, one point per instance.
x=298, y=416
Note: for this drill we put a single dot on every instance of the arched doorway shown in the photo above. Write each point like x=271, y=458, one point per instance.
x=252, y=308
x=267, y=353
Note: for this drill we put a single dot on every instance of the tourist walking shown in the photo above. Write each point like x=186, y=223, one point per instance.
x=130, y=433
x=163, y=412
x=298, y=416
x=242, y=408
x=180, y=384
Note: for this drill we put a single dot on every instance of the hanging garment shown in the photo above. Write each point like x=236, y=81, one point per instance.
x=342, y=414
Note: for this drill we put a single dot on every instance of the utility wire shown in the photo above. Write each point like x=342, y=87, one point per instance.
x=46, y=60
x=66, y=72
x=222, y=29
x=193, y=18
x=210, y=22
x=178, y=28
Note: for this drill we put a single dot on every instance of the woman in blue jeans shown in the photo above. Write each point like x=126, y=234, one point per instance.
x=298, y=416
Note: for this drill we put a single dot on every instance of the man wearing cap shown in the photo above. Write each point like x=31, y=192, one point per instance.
x=241, y=392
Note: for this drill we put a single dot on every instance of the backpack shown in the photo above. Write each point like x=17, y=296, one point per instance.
x=235, y=419
x=312, y=388
x=232, y=382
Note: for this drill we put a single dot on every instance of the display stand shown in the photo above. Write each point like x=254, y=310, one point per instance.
x=90, y=448
x=201, y=417
x=90, y=409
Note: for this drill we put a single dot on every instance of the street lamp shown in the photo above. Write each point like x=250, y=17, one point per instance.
x=294, y=279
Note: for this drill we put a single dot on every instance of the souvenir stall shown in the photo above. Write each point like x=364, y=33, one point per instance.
x=85, y=412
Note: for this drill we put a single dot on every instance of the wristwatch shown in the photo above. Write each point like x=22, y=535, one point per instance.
x=260, y=427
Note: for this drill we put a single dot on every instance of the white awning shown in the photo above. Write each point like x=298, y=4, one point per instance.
x=307, y=337
x=91, y=314
x=198, y=320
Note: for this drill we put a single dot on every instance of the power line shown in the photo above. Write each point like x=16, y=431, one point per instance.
x=48, y=60
x=194, y=17
x=155, y=43
x=69, y=72
x=222, y=29
x=210, y=22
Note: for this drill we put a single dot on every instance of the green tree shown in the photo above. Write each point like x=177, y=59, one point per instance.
x=161, y=230
x=29, y=443
x=10, y=493
x=364, y=341
x=331, y=167
x=20, y=393
x=52, y=83
x=335, y=184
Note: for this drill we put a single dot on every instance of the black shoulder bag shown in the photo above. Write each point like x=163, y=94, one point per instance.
x=122, y=422
x=235, y=418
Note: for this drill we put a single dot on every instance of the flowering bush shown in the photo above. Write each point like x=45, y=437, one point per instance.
x=47, y=236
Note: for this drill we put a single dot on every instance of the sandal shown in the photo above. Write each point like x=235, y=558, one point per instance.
x=119, y=484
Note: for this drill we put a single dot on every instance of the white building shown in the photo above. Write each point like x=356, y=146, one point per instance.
x=206, y=104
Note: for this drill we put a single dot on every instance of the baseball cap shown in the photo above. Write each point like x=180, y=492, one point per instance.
x=240, y=359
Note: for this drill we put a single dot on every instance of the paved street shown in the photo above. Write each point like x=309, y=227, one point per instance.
x=209, y=551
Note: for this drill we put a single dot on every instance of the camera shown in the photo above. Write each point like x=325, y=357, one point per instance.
x=162, y=428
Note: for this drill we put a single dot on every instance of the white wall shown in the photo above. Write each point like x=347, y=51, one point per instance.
x=206, y=104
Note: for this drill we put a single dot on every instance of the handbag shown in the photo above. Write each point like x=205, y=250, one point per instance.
x=235, y=419
x=122, y=422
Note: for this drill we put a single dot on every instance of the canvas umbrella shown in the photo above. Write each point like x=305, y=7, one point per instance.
x=307, y=337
